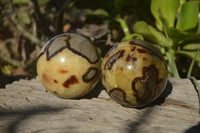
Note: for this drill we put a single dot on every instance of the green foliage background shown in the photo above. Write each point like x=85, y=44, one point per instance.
x=172, y=26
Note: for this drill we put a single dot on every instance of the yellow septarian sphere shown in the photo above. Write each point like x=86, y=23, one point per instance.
x=68, y=65
x=134, y=73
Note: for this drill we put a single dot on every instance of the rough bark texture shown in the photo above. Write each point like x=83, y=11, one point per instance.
x=25, y=106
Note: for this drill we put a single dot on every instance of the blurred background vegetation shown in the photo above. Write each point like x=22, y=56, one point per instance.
x=173, y=26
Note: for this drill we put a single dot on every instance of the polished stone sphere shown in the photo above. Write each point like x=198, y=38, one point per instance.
x=68, y=65
x=134, y=73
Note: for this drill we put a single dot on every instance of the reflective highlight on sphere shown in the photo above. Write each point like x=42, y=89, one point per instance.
x=134, y=73
x=68, y=66
x=62, y=59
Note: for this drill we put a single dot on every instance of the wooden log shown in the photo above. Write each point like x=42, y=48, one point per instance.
x=26, y=107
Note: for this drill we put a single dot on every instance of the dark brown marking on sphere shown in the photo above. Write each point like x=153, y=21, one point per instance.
x=55, y=92
x=152, y=73
x=55, y=81
x=130, y=57
x=113, y=59
x=49, y=45
x=47, y=51
x=85, y=76
x=144, y=70
x=40, y=55
x=111, y=50
x=45, y=78
x=42, y=52
x=134, y=59
x=119, y=96
x=68, y=39
x=133, y=48
x=142, y=51
x=122, y=69
x=78, y=53
x=136, y=92
x=131, y=42
x=70, y=81
x=62, y=71
x=149, y=81
x=55, y=53
x=144, y=58
x=159, y=85
x=151, y=50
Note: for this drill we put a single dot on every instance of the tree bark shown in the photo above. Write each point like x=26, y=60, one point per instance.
x=26, y=107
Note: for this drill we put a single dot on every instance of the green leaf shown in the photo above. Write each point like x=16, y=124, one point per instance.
x=169, y=10
x=196, y=1
x=133, y=36
x=98, y=16
x=142, y=28
x=7, y=70
x=164, y=21
x=165, y=8
x=98, y=12
x=188, y=17
x=191, y=46
x=150, y=33
x=178, y=35
x=124, y=26
x=155, y=7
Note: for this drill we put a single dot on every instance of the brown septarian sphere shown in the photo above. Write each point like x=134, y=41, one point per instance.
x=68, y=65
x=134, y=73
